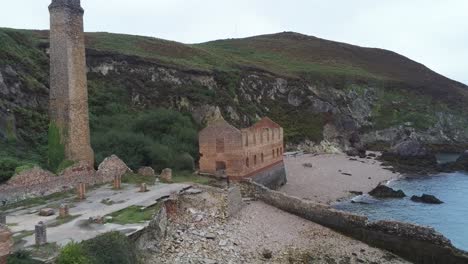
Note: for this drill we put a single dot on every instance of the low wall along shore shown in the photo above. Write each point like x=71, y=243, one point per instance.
x=412, y=242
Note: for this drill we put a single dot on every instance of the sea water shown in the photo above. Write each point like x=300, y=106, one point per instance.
x=449, y=218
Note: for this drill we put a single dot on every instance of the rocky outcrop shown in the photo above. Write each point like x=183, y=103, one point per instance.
x=152, y=236
x=426, y=198
x=411, y=156
x=383, y=191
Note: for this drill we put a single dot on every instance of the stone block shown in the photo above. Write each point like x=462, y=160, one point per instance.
x=64, y=211
x=146, y=171
x=143, y=187
x=41, y=234
x=234, y=201
x=46, y=212
x=166, y=176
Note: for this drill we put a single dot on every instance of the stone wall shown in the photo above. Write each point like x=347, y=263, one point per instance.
x=272, y=177
x=415, y=243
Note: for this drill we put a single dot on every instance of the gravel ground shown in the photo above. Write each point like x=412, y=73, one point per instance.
x=258, y=234
x=331, y=177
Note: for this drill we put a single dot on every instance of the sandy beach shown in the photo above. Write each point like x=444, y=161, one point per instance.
x=332, y=177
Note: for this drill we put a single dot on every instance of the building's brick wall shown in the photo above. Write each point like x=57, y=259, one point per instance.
x=237, y=153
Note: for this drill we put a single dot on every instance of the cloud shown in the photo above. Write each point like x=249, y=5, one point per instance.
x=432, y=32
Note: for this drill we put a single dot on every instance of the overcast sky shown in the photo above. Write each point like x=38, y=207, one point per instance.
x=433, y=32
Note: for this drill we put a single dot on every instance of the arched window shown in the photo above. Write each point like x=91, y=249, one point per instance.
x=246, y=139
x=255, y=160
x=281, y=150
x=263, y=158
x=273, y=153
x=247, y=162
x=277, y=152
x=220, y=145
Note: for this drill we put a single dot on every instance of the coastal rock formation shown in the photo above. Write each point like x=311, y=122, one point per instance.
x=311, y=106
x=426, y=198
x=411, y=156
x=383, y=191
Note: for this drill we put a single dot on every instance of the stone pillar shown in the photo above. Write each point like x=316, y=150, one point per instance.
x=81, y=189
x=117, y=182
x=64, y=211
x=6, y=244
x=68, y=106
x=166, y=176
x=143, y=187
x=41, y=234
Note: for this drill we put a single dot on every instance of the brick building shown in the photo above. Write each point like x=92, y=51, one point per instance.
x=228, y=151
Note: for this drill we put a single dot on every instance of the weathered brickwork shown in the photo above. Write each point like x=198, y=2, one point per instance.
x=68, y=84
x=228, y=151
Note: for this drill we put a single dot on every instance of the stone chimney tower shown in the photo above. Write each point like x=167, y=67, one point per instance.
x=68, y=107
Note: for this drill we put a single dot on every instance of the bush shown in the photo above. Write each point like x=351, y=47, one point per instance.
x=56, y=150
x=73, y=253
x=22, y=257
x=7, y=168
x=184, y=162
x=158, y=138
x=111, y=248
x=108, y=248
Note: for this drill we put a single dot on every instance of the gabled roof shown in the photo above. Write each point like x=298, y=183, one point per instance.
x=266, y=123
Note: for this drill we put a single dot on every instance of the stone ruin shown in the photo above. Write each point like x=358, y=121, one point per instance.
x=6, y=244
x=68, y=106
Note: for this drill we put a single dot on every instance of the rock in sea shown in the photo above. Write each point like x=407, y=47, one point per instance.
x=426, y=198
x=383, y=191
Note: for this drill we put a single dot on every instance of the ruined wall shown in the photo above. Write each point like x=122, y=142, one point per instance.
x=68, y=106
x=272, y=177
x=38, y=182
x=416, y=243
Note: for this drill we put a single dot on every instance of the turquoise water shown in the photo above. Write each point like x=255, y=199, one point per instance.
x=450, y=218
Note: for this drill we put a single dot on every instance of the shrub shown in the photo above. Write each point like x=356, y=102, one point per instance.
x=56, y=150
x=110, y=248
x=22, y=257
x=73, y=253
x=7, y=168
x=184, y=162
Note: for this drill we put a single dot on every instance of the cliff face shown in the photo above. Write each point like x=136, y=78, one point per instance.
x=330, y=92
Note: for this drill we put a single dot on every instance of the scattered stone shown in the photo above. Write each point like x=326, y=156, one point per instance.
x=166, y=175
x=41, y=234
x=267, y=254
x=211, y=236
x=96, y=220
x=383, y=191
x=356, y=192
x=46, y=212
x=362, y=153
x=198, y=218
x=426, y=198
x=223, y=243
x=372, y=155
x=307, y=165
x=346, y=174
x=192, y=191
x=146, y=171
x=233, y=201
